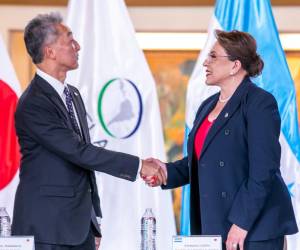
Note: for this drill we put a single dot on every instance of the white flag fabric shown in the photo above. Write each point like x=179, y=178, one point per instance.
x=9, y=147
x=256, y=17
x=121, y=100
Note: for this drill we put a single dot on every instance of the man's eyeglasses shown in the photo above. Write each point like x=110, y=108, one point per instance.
x=213, y=57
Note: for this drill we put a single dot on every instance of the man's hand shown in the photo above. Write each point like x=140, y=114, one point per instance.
x=155, y=180
x=97, y=242
x=236, y=238
x=152, y=173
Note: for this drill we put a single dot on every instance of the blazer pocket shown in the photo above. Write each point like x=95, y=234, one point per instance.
x=59, y=191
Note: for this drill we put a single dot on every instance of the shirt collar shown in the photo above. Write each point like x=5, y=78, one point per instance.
x=56, y=84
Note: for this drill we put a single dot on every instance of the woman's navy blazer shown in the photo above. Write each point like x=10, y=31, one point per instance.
x=237, y=179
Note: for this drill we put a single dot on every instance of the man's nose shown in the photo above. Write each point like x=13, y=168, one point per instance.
x=76, y=46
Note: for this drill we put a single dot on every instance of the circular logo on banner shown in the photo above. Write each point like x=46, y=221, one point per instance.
x=120, y=108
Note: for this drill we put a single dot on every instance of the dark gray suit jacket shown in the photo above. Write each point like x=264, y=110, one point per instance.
x=57, y=188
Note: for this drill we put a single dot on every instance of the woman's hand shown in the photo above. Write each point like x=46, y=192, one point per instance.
x=153, y=181
x=235, y=238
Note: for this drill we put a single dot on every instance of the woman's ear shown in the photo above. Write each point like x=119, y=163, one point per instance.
x=236, y=67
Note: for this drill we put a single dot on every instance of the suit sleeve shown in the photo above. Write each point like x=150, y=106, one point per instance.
x=178, y=174
x=39, y=117
x=263, y=129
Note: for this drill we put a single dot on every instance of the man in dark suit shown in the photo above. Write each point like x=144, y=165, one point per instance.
x=57, y=199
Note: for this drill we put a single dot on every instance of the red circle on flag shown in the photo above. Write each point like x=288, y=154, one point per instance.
x=9, y=147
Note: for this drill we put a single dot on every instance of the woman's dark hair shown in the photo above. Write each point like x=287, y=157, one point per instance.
x=241, y=46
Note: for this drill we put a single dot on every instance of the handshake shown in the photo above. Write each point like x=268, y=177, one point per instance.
x=154, y=172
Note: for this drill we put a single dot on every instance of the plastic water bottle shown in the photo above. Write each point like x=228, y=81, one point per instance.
x=5, y=226
x=148, y=230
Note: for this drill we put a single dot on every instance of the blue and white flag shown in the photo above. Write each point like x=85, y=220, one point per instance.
x=256, y=18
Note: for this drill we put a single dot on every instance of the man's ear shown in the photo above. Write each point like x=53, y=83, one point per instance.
x=49, y=52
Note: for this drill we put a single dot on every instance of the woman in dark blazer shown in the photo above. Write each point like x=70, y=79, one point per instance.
x=233, y=162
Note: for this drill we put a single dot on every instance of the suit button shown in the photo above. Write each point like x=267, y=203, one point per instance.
x=221, y=163
x=89, y=190
x=227, y=132
x=223, y=194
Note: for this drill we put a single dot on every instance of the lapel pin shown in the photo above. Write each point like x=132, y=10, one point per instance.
x=76, y=93
x=226, y=115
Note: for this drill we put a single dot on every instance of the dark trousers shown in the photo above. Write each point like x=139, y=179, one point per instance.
x=276, y=244
x=88, y=244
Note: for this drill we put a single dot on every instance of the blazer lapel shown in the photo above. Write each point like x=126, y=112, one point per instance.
x=201, y=115
x=80, y=113
x=48, y=90
x=227, y=112
x=204, y=113
x=58, y=102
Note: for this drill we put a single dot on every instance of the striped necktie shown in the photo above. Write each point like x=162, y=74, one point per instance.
x=71, y=112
